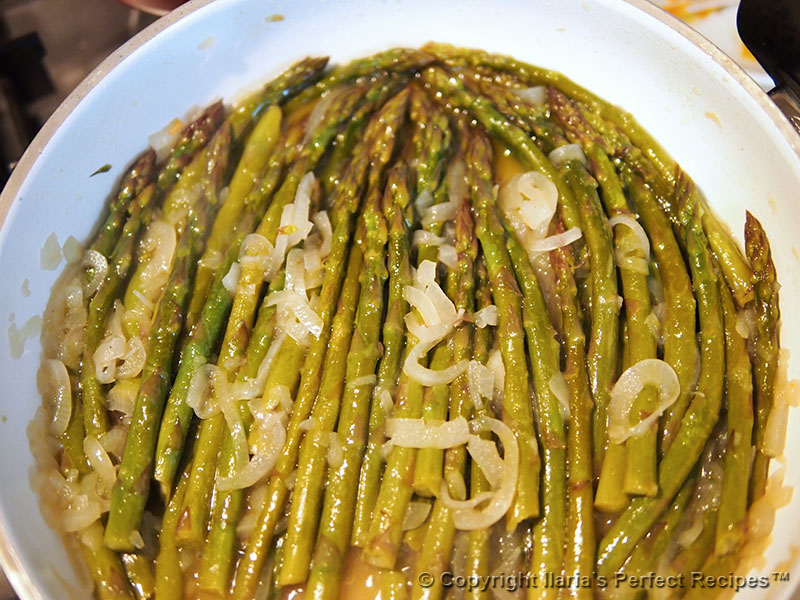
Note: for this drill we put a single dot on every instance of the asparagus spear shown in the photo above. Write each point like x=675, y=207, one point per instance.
x=339, y=370
x=340, y=493
x=95, y=418
x=191, y=140
x=579, y=531
x=478, y=541
x=738, y=453
x=701, y=415
x=375, y=141
x=430, y=139
x=765, y=361
x=130, y=492
x=438, y=545
x=543, y=350
x=279, y=90
x=395, y=201
x=108, y=572
x=169, y=575
x=138, y=176
x=139, y=571
x=517, y=413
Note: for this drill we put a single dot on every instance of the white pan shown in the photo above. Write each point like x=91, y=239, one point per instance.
x=713, y=119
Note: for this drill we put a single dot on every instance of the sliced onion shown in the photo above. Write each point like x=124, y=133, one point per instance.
x=213, y=261
x=650, y=371
x=133, y=359
x=362, y=381
x=430, y=377
x=457, y=189
x=416, y=514
x=530, y=199
x=566, y=153
x=536, y=96
x=230, y=411
x=486, y=316
x=423, y=237
x=56, y=391
x=485, y=455
x=279, y=396
x=466, y=515
x=439, y=213
x=99, y=265
x=101, y=463
x=306, y=425
x=746, y=323
x=201, y=396
x=231, y=279
x=323, y=224
x=424, y=200
x=558, y=386
x=633, y=224
x=113, y=440
x=298, y=305
x=556, y=241
x=255, y=247
x=319, y=111
x=448, y=256
x=386, y=450
x=425, y=275
x=289, y=325
x=632, y=263
x=416, y=433
x=122, y=397
x=269, y=430
x=109, y=350
x=481, y=382
x=386, y=402
x=335, y=452
x=423, y=303
x=496, y=366
x=300, y=210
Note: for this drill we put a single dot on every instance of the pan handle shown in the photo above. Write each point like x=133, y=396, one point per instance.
x=788, y=102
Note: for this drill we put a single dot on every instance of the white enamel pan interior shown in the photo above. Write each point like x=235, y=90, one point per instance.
x=696, y=102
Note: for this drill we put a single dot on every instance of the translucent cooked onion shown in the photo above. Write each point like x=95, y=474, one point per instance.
x=424, y=200
x=323, y=224
x=99, y=265
x=529, y=199
x=256, y=248
x=416, y=514
x=535, y=96
x=297, y=304
x=386, y=402
x=319, y=111
x=486, y=316
x=101, y=463
x=650, y=371
x=556, y=241
x=113, y=440
x=417, y=433
x=566, y=153
x=202, y=395
x=632, y=263
x=423, y=303
x=496, y=366
x=448, y=256
x=466, y=514
x=295, y=271
x=335, y=452
x=269, y=431
x=485, y=455
x=231, y=279
x=633, y=224
x=480, y=380
x=54, y=385
x=746, y=322
x=133, y=359
x=122, y=397
x=427, y=238
x=424, y=375
x=439, y=213
x=363, y=381
x=558, y=385
x=457, y=188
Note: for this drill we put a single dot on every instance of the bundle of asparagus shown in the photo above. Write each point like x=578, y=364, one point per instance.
x=435, y=312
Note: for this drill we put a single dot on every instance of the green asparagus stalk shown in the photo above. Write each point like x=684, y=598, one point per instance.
x=95, y=418
x=292, y=81
x=765, y=361
x=169, y=575
x=479, y=541
x=382, y=126
x=340, y=493
x=396, y=60
x=738, y=453
x=304, y=515
x=396, y=200
x=517, y=413
x=130, y=493
x=108, y=572
x=138, y=176
x=543, y=350
x=438, y=545
x=579, y=531
x=701, y=416
x=191, y=140
x=139, y=570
